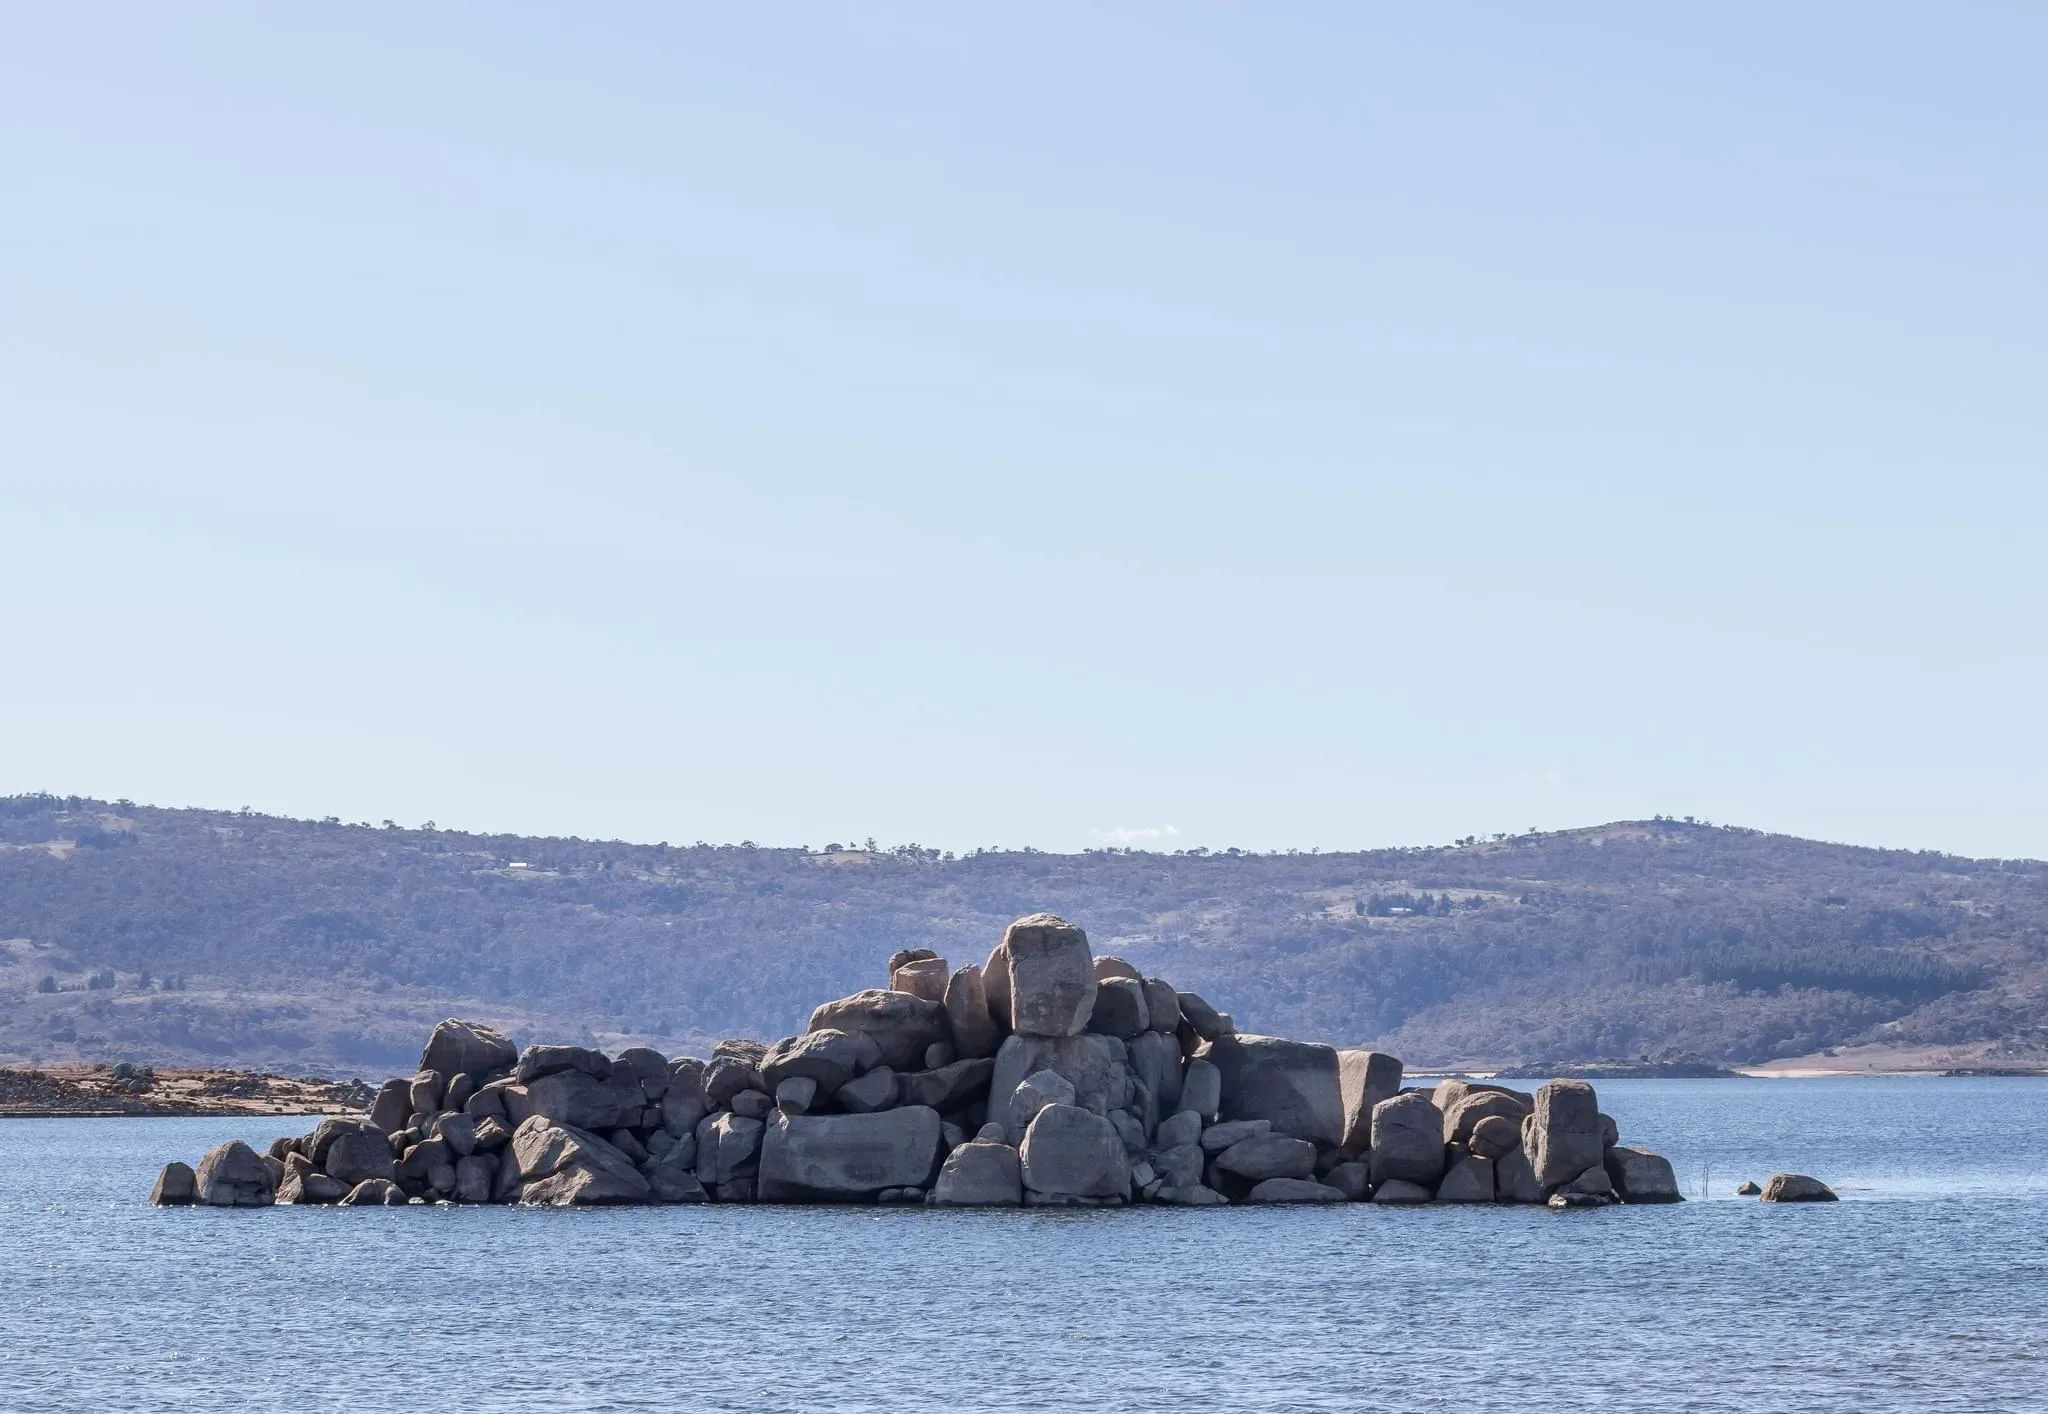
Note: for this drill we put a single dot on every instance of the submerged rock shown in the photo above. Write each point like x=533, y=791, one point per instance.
x=375, y=1192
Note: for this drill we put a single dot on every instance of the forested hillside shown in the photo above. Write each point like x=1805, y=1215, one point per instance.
x=192, y=935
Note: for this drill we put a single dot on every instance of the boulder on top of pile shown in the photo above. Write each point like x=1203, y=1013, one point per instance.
x=1051, y=976
x=1048, y=1075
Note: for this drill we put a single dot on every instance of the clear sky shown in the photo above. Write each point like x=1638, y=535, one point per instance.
x=1262, y=425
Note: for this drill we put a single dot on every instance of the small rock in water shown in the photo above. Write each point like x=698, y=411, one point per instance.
x=1747, y=1189
x=1796, y=1188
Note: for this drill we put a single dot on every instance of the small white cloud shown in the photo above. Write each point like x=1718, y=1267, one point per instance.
x=1136, y=834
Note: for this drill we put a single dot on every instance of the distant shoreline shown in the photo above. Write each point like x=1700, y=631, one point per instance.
x=100, y=1092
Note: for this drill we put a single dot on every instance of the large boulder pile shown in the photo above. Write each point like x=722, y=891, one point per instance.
x=1046, y=1076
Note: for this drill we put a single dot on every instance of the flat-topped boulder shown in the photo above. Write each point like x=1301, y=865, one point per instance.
x=1292, y=1084
x=848, y=1158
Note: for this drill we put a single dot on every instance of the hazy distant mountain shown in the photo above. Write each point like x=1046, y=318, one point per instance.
x=324, y=946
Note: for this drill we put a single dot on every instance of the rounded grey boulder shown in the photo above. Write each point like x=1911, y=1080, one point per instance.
x=1070, y=1153
x=980, y=1174
x=1407, y=1141
x=375, y=1192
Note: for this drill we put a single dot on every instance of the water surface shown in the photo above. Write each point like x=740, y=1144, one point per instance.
x=1926, y=1288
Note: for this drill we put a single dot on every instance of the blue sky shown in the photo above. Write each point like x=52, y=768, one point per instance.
x=1174, y=424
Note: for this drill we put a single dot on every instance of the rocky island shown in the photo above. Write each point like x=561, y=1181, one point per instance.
x=1045, y=1077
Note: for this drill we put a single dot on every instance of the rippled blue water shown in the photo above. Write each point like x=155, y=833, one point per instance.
x=1925, y=1289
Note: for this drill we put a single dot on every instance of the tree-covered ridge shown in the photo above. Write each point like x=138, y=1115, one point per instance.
x=310, y=941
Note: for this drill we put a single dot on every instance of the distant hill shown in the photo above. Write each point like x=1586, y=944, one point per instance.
x=195, y=936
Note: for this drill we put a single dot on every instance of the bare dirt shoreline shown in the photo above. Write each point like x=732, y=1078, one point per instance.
x=46, y=1092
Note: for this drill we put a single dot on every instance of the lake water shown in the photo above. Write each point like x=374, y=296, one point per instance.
x=1926, y=1288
